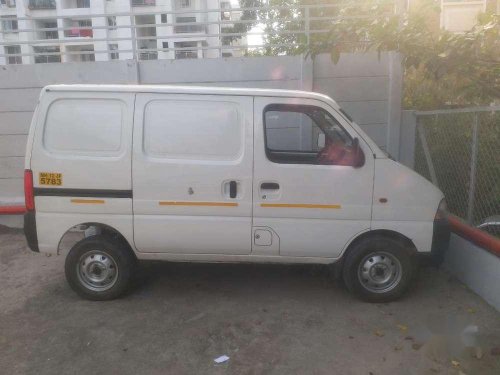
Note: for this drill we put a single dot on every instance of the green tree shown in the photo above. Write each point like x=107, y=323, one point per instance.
x=441, y=68
x=242, y=27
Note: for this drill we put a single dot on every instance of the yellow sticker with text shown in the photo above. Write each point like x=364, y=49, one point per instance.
x=49, y=178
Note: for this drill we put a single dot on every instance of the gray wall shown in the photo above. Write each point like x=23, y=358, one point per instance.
x=408, y=132
x=475, y=267
x=367, y=86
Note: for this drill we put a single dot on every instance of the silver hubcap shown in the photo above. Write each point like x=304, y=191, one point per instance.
x=379, y=272
x=97, y=271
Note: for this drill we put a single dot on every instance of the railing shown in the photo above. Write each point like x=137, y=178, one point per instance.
x=459, y=151
x=51, y=35
x=188, y=54
x=214, y=34
x=148, y=55
x=138, y=3
x=42, y=4
x=194, y=28
x=82, y=3
x=76, y=32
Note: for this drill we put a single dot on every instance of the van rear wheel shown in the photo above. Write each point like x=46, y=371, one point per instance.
x=99, y=268
x=379, y=269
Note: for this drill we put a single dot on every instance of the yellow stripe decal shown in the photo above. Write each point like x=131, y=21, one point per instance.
x=88, y=201
x=199, y=204
x=300, y=205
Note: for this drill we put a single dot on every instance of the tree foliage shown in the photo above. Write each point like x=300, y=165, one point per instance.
x=284, y=22
x=247, y=15
x=441, y=68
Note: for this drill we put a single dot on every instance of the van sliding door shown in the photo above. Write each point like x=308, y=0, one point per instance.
x=192, y=174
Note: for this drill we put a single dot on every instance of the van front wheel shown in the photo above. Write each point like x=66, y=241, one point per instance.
x=379, y=269
x=98, y=268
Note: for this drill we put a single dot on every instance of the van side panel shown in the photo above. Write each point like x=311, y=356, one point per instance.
x=404, y=202
x=81, y=163
x=192, y=174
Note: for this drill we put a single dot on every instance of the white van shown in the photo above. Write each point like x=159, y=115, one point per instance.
x=191, y=174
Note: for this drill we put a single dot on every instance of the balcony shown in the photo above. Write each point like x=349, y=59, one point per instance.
x=79, y=32
x=181, y=55
x=8, y=3
x=184, y=52
x=188, y=25
x=43, y=29
x=140, y=3
x=13, y=50
x=9, y=24
x=72, y=4
x=42, y=4
x=47, y=54
x=78, y=28
x=189, y=29
x=50, y=35
x=80, y=53
x=148, y=55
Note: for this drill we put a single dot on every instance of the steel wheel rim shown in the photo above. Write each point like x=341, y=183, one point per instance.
x=379, y=272
x=97, y=271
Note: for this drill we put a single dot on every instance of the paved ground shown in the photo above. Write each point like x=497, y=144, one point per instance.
x=267, y=319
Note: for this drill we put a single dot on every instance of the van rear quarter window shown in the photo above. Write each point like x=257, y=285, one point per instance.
x=191, y=129
x=84, y=126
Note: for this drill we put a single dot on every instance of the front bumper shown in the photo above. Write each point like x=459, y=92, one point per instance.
x=440, y=240
x=30, y=231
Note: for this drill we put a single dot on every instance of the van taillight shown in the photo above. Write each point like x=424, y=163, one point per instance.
x=29, y=198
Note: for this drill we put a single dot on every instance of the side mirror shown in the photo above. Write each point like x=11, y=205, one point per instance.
x=359, y=156
x=321, y=141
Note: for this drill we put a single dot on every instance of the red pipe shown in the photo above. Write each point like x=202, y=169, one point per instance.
x=12, y=210
x=477, y=236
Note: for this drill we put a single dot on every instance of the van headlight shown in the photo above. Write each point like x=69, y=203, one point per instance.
x=442, y=211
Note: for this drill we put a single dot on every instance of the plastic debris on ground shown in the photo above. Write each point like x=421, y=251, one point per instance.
x=221, y=359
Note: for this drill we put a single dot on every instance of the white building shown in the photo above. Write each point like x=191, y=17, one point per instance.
x=460, y=15
x=99, y=30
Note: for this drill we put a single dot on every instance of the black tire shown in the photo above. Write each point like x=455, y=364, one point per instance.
x=370, y=255
x=112, y=258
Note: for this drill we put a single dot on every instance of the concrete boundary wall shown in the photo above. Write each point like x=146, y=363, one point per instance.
x=475, y=267
x=407, y=138
x=368, y=86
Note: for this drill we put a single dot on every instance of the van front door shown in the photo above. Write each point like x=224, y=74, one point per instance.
x=192, y=174
x=311, y=192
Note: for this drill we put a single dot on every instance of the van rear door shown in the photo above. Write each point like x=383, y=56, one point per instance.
x=81, y=162
x=192, y=173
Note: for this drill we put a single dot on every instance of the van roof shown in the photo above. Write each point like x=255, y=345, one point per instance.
x=204, y=90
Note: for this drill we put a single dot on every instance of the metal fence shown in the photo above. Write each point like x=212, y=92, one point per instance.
x=142, y=34
x=459, y=151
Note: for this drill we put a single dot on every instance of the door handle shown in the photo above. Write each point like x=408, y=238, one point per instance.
x=232, y=189
x=269, y=186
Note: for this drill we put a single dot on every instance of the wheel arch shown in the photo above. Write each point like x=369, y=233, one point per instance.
x=339, y=263
x=372, y=233
x=380, y=232
x=67, y=240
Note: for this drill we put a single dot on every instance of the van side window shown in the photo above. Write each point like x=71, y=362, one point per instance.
x=84, y=127
x=303, y=134
x=193, y=129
